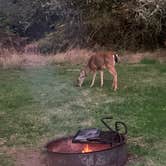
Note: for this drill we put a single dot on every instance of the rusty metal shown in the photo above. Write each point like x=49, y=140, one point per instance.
x=108, y=148
x=66, y=156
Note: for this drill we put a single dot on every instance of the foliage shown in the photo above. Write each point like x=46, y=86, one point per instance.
x=30, y=18
x=119, y=24
x=128, y=24
x=151, y=15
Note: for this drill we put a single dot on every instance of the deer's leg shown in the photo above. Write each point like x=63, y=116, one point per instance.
x=93, y=80
x=101, y=78
x=115, y=80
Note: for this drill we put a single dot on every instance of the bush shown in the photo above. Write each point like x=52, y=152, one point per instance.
x=118, y=24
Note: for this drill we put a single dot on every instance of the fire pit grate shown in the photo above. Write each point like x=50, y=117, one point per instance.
x=97, y=136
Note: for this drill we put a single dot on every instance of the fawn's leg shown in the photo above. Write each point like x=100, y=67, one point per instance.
x=112, y=70
x=101, y=78
x=93, y=80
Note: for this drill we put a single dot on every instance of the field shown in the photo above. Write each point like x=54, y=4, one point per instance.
x=41, y=103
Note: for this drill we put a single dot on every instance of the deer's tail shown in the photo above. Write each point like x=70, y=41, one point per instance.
x=116, y=58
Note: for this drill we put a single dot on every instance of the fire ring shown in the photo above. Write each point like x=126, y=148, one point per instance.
x=69, y=151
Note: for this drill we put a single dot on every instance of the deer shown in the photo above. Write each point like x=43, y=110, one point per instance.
x=97, y=63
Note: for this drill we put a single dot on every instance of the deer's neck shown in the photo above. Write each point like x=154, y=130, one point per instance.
x=87, y=70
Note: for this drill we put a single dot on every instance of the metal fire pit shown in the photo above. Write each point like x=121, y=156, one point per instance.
x=67, y=152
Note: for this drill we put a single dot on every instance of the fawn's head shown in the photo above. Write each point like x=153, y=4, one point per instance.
x=81, y=78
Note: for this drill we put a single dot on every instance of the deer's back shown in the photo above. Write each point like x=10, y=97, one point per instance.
x=100, y=60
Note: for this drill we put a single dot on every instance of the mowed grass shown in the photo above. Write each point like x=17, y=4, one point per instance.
x=43, y=103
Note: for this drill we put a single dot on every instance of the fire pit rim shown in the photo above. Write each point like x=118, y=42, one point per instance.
x=77, y=153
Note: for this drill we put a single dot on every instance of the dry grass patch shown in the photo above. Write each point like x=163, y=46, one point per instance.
x=74, y=56
x=137, y=141
x=11, y=60
x=35, y=60
x=130, y=57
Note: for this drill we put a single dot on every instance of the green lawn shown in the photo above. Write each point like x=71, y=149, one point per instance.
x=42, y=103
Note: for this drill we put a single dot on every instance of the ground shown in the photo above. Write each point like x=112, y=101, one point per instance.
x=38, y=104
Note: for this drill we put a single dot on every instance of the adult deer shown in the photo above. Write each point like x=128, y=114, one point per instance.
x=98, y=62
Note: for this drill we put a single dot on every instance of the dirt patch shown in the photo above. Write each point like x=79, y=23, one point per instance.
x=26, y=157
x=30, y=157
x=135, y=160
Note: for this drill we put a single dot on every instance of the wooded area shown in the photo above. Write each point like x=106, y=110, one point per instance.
x=61, y=24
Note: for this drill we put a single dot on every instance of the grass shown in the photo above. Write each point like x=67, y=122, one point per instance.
x=42, y=103
x=148, y=61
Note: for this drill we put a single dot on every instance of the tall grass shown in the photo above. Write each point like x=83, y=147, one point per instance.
x=11, y=59
x=74, y=56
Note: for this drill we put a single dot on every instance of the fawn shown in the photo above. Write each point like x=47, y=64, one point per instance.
x=98, y=62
